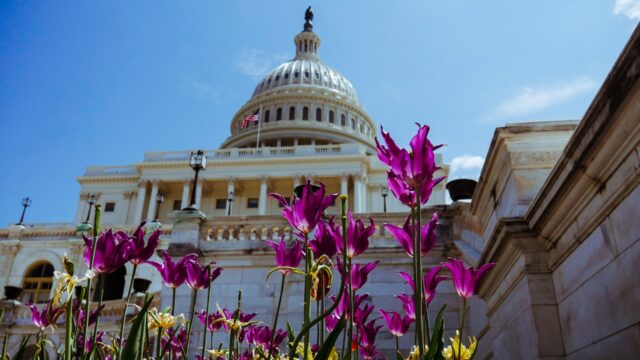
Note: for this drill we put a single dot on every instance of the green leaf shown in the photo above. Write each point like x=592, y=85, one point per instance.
x=436, y=343
x=292, y=269
x=327, y=347
x=399, y=355
x=23, y=347
x=130, y=350
x=292, y=335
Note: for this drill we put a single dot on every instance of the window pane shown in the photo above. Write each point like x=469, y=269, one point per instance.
x=221, y=204
x=252, y=203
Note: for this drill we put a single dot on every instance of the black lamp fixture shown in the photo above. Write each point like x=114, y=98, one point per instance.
x=91, y=201
x=384, y=191
x=159, y=200
x=230, y=202
x=198, y=162
x=299, y=190
x=26, y=202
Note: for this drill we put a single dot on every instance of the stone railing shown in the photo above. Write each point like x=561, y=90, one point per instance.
x=111, y=170
x=62, y=230
x=264, y=152
x=233, y=232
x=20, y=314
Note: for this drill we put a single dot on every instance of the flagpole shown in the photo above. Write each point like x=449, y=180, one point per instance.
x=259, y=125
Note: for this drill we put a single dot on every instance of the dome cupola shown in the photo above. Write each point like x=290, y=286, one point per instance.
x=303, y=102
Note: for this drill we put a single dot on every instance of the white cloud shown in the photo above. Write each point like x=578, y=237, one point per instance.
x=202, y=91
x=628, y=8
x=467, y=166
x=256, y=63
x=531, y=99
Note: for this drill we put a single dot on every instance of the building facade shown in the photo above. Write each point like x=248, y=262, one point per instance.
x=557, y=207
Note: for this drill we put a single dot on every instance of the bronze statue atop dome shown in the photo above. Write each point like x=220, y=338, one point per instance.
x=308, y=17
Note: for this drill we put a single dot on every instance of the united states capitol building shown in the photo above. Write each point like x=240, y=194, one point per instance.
x=557, y=207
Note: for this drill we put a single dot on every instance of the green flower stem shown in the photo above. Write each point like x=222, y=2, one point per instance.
x=124, y=313
x=97, y=218
x=426, y=322
x=4, y=343
x=68, y=331
x=307, y=297
x=142, y=340
x=206, y=315
x=322, y=325
x=101, y=281
x=159, y=344
x=351, y=311
x=305, y=329
x=464, y=310
x=193, y=309
x=275, y=320
x=417, y=254
x=398, y=346
x=173, y=312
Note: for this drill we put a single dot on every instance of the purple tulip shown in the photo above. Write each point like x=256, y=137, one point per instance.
x=261, y=336
x=430, y=281
x=367, y=341
x=213, y=322
x=178, y=343
x=404, y=235
x=112, y=251
x=47, y=316
x=359, y=274
x=357, y=236
x=326, y=236
x=79, y=314
x=361, y=314
x=286, y=257
x=305, y=213
x=397, y=325
x=405, y=193
x=198, y=277
x=464, y=279
x=415, y=167
x=407, y=305
x=139, y=252
x=173, y=274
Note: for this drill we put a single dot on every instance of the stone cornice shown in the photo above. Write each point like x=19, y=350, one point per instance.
x=107, y=178
x=604, y=144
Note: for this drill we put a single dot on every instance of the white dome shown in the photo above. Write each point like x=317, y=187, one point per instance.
x=310, y=72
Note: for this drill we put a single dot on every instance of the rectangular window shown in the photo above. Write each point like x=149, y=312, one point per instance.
x=221, y=204
x=252, y=203
x=110, y=207
x=177, y=204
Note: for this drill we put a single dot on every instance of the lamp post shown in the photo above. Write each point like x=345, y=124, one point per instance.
x=26, y=202
x=159, y=200
x=384, y=191
x=91, y=201
x=197, y=161
x=230, y=202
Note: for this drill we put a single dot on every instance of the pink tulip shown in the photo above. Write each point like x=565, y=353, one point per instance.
x=305, y=213
x=404, y=235
x=464, y=279
x=397, y=325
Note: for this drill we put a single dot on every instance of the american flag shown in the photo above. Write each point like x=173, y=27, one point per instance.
x=251, y=118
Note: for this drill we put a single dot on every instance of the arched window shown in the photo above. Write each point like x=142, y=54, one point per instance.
x=318, y=114
x=305, y=113
x=292, y=113
x=343, y=120
x=331, y=117
x=267, y=115
x=353, y=124
x=37, y=283
x=279, y=114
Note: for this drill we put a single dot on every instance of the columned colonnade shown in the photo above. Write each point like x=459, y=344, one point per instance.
x=148, y=190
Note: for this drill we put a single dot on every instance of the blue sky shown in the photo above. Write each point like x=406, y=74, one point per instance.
x=99, y=83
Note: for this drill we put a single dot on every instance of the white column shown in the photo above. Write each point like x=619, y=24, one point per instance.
x=344, y=184
x=357, y=193
x=262, y=204
x=230, y=189
x=199, y=193
x=152, y=199
x=365, y=190
x=142, y=193
x=186, y=185
x=296, y=181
